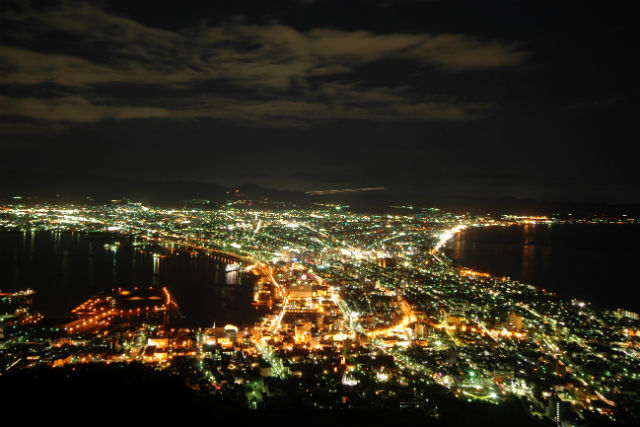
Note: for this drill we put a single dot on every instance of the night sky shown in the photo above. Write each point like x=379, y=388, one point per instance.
x=485, y=99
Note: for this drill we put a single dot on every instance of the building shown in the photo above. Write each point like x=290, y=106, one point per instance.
x=301, y=291
x=515, y=320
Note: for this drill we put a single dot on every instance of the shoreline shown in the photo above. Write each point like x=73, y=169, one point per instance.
x=548, y=264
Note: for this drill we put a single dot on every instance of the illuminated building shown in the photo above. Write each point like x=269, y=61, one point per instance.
x=515, y=320
x=301, y=291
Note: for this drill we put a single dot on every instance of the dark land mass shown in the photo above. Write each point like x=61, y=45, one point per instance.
x=135, y=392
x=67, y=187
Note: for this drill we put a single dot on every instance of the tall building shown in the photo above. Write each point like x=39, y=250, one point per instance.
x=231, y=332
x=515, y=320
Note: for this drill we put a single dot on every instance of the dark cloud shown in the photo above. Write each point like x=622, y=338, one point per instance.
x=73, y=109
x=267, y=59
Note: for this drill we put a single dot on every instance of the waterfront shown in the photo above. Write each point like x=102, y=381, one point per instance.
x=590, y=262
x=66, y=268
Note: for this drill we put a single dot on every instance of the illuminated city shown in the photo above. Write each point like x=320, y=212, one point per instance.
x=361, y=308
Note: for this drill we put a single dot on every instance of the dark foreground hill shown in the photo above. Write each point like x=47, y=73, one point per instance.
x=127, y=394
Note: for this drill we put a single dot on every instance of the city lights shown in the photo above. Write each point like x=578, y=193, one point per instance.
x=370, y=303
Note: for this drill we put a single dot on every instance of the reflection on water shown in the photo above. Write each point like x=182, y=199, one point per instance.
x=528, y=255
x=459, y=243
x=66, y=268
x=233, y=277
x=590, y=262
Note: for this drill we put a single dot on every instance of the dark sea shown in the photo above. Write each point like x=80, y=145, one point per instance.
x=595, y=263
x=67, y=268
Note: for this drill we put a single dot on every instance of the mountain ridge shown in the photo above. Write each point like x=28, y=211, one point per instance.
x=73, y=187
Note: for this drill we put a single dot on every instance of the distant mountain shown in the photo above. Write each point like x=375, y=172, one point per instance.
x=72, y=187
x=367, y=201
x=258, y=192
x=66, y=187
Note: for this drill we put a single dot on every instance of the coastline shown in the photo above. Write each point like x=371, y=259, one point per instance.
x=569, y=260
